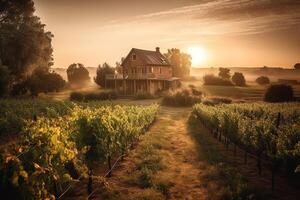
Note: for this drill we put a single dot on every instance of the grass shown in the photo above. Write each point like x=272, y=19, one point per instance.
x=148, y=162
x=224, y=181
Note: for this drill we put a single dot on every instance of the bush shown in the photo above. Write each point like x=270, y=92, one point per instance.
x=101, y=96
x=279, y=93
x=77, y=73
x=297, y=66
x=42, y=80
x=144, y=95
x=216, y=100
x=262, y=80
x=181, y=98
x=214, y=80
x=76, y=96
x=239, y=79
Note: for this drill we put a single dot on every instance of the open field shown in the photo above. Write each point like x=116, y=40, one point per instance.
x=177, y=158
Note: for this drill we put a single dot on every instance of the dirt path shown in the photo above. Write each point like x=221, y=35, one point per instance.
x=180, y=156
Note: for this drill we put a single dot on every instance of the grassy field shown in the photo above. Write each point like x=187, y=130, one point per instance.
x=250, y=92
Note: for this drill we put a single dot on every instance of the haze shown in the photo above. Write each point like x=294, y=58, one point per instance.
x=231, y=33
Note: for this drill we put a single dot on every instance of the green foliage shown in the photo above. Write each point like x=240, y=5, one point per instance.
x=180, y=62
x=238, y=79
x=77, y=74
x=14, y=113
x=181, y=98
x=214, y=80
x=255, y=127
x=93, y=96
x=25, y=44
x=224, y=73
x=263, y=80
x=54, y=151
x=42, y=80
x=102, y=71
x=211, y=101
x=279, y=93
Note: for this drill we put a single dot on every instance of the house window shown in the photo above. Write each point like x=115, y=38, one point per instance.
x=134, y=56
x=152, y=70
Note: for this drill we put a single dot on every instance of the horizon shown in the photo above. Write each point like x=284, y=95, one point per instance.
x=216, y=33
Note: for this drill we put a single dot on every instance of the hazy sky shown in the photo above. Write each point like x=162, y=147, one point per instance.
x=229, y=32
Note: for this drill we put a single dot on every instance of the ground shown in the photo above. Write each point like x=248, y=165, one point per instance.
x=180, y=159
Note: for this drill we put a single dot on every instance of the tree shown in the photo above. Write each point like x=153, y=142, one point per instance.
x=262, y=80
x=180, y=62
x=224, y=73
x=24, y=43
x=297, y=66
x=238, y=79
x=42, y=80
x=211, y=79
x=4, y=79
x=77, y=73
x=101, y=73
x=279, y=93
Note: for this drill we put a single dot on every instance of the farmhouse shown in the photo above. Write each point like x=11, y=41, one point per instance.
x=143, y=71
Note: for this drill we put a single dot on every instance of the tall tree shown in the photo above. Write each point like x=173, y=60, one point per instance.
x=181, y=62
x=24, y=43
x=224, y=73
x=77, y=73
x=102, y=71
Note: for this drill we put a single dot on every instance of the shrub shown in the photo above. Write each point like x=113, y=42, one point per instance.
x=238, y=79
x=181, y=98
x=216, y=100
x=77, y=73
x=297, y=66
x=262, y=80
x=279, y=93
x=91, y=96
x=42, y=80
x=76, y=96
x=144, y=95
x=214, y=80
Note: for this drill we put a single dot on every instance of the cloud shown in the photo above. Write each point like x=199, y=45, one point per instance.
x=219, y=17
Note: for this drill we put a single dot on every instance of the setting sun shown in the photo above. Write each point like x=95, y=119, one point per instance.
x=199, y=55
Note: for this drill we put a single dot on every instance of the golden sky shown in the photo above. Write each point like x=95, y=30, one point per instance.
x=228, y=33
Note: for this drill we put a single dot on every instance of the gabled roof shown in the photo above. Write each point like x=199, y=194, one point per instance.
x=148, y=57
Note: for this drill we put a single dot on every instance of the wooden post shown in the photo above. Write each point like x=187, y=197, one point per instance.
x=115, y=84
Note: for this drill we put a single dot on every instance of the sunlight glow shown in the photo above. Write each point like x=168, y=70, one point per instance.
x=199, y=55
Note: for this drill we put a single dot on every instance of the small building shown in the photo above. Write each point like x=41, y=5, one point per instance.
x=143, y=71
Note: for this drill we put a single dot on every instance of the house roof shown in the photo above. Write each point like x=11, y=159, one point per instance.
x=149, y=57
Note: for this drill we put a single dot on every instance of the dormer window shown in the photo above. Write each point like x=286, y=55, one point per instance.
x=134, y=56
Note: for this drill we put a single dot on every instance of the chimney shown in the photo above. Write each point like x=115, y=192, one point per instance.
x=157, y=49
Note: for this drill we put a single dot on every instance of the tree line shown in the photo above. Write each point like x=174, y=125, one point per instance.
x=26, y=55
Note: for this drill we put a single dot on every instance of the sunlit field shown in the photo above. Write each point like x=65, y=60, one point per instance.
x=149, y=100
